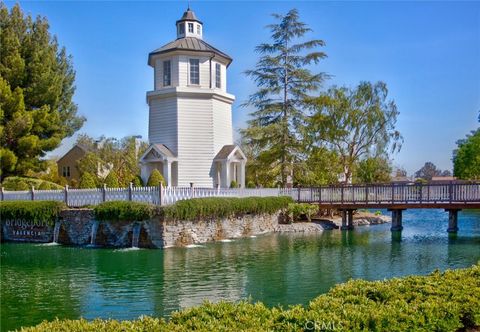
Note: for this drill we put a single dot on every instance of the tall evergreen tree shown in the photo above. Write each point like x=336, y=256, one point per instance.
x=36, y=90
x=284, y=81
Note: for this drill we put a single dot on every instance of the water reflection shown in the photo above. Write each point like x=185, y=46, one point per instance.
x=41, y=282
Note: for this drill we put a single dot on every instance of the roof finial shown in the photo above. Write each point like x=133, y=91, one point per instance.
x=188, y=6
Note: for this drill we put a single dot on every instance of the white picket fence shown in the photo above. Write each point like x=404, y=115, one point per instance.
x=154, y=195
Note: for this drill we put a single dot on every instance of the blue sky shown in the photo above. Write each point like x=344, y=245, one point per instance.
x=428, y=53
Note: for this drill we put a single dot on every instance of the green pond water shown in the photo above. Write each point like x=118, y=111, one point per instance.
x=41, y=282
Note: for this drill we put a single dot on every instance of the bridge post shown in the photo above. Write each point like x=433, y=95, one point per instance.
x=350, y=219
x=452, y=220
x=347, y=220
x=396, y=220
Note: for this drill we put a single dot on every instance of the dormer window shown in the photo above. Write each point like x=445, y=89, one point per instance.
x=194, y=71
x=190, y=27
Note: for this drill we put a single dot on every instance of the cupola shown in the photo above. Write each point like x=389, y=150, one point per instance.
x=189, y=25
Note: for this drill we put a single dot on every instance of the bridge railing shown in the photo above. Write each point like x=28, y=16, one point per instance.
x=392, y=193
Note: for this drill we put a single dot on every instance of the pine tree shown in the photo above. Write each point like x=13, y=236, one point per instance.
x=284, y=82
x=36, y=90
x=155, y=178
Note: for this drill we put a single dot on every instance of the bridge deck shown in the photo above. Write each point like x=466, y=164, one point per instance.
x=394, y=196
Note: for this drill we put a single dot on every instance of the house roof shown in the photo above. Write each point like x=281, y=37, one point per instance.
x=189, y=15
x=226, y=151
x=189, y=44
x=82, y=147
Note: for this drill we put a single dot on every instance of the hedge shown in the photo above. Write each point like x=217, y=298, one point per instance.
x=46, y=211
x=221, y=207
x=448, y=301
x=124, y=211
x=24, y=183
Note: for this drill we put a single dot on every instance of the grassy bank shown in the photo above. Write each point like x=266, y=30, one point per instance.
x=448, y=301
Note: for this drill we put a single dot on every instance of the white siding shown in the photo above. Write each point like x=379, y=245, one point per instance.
x=222, y=124
x=195, y=142
x=162, y=124
x=158, y=72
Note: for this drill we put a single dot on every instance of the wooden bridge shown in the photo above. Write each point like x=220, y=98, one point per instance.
x=452, y=197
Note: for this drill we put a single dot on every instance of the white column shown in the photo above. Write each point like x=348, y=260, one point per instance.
x=167, y=172
x=242, y=174
x=227, y=174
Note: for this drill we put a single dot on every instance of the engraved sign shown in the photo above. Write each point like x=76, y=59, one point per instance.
x=26, y=230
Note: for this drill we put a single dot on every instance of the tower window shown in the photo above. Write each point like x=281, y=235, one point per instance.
x=194, y=71
x=167, y=73
x=190, y=27
x=199, y=29
x=181, y=29
x=218, y=75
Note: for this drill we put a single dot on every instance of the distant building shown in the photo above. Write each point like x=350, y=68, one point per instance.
x=67, y=164
x=443, y=179
x=190, y=113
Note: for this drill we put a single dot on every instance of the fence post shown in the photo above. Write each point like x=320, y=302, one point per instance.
x=32, y=192
x=104, y=192
x=366, y=194
x=130, y=189
x=341, y=194
x=1, y=194
x=421, y=193
x=65, y=191
x=393, y=193
x=192, y=192
x=299, y=189
x=218, y=189
x=160, y=194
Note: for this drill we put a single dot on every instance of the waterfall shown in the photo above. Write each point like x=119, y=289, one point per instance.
x=136, y=235
x=93, y=235
x=56, y=230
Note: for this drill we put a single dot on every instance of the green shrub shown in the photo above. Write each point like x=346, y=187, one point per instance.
x=46, y=211
x=124, y=211
x=233, y=184
x=448, y=301
x=24, y=183
x=155, y=178
x=378, y=213
x=221, y=207
x=87, y=181
x=137, y=181
x=111, y=181
x=251, y=184
x=301, y=211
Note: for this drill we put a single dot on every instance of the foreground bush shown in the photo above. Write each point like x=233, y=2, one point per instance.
x=35, y=211
x=301, y=211
x=447, y=301
x=124, y=211
x=221, y=207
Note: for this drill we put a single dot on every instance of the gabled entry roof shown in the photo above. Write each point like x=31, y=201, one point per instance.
x=228, y=151
x=160, y=151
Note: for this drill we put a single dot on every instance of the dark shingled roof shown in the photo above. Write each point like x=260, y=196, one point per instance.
x=189, y=44
x=164, y=150
x=224, y=152
x=189, y=16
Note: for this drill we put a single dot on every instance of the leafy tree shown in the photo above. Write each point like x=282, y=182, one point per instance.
x=321, y=167
x=373, y=170
x=155, y=178
x=87, y=181
x=120, y=156
x=284, y=79
x=429, y=170
x=400, y=172
x=36, y=90
x=466, y=159
x=356, y=124
x=111, y=180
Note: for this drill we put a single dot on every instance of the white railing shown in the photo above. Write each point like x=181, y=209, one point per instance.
x=153, y=195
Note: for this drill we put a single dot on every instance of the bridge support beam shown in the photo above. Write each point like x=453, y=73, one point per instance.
x=347, y=219
x=396, y=220
x=452, y=220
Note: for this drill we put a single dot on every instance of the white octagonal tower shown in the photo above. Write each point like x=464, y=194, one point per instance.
x=190, y=113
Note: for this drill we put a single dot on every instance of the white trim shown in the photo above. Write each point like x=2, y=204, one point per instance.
x=191, y=91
